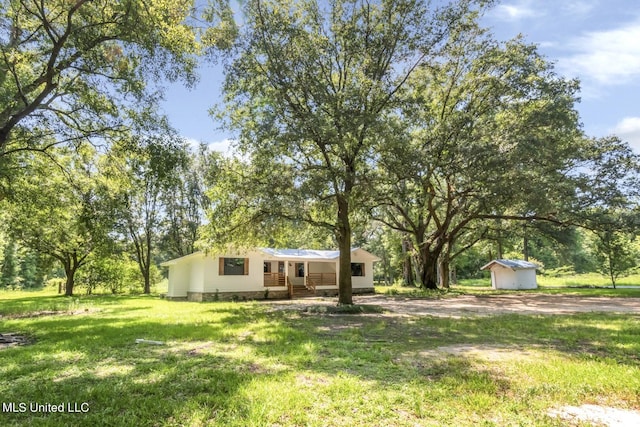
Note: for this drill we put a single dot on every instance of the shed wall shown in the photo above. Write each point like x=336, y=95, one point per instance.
x=527, y=279
x=506, y=278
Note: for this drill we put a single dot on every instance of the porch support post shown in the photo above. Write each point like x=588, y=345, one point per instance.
x=286, y=272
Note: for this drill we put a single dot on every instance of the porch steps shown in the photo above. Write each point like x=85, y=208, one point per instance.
x=301, y=291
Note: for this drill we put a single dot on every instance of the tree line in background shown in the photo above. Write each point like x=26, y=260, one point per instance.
x=396, y=125
x=102, y=220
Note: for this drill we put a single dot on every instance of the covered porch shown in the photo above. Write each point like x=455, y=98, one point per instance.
x=301, y=277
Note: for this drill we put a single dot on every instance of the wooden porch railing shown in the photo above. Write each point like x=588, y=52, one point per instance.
x=274, y=279
x=320, y=279
x=289, y=287
x=310, y=284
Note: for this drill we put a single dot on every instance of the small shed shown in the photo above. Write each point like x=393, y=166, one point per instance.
x=512, y=274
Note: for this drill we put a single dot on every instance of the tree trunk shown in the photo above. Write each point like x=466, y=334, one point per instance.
x=525, y=244
x=444, y=273
x=386, y=269
x=430, y=275
x=611, y=270
x=147, y=262
x=68, y=288
x=407, y=269
x=4, y=137
x=147, y=282
x=428, y=269
x=345, y=291
x=71, y=263
x=70, y=272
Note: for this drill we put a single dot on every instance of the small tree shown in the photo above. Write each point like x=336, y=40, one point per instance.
x=615, y=253
x=8, y=270
x=53, y=209
x=138, y=179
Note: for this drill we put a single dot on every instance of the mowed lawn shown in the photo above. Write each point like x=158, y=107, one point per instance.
x=246, y=364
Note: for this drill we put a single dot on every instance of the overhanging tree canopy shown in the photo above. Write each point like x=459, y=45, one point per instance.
x=71, y=70
x=309, y=94
x=490, y=133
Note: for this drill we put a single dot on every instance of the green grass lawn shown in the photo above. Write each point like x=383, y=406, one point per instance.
x=583, y=284
x=575, y=280
x=241, y=364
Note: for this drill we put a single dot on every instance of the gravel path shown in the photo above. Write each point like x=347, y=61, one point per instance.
x=472, y=305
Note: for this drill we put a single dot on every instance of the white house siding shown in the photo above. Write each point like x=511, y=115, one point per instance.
x=235, y=283
x=179, y=279
x=197, y=275
x=210, y=273
x=365, y=281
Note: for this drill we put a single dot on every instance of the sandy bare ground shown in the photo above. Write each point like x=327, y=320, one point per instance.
x=525, y=303
x=472, y=305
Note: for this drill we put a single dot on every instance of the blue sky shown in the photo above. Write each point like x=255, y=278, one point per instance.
x=597, y=41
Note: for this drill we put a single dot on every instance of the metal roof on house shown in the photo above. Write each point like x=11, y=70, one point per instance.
x=301, y=253
x=310, y=254
x=289, y=254
x=514, y=264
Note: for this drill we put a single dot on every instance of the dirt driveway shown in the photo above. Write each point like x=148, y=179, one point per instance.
x=472, y=305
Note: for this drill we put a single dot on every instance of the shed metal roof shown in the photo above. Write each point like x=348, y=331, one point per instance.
x=514, y=264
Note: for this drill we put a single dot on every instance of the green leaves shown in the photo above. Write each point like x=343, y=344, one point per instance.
x=53, y=208
x=311, y=93
x=486, y=131
x=80, y=70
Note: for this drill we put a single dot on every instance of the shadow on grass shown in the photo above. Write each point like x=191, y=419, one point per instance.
x=61, y=303
x=216, y=356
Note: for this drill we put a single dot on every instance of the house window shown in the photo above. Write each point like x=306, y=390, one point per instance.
x=299, y=269
x=267, y=266
x=357, y=269
x=234, y=266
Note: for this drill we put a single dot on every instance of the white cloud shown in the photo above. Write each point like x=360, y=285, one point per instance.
x=192, y=142
x=607, y=57
x=224, y=146
x=578, y=7
x=547, y=44
x=628, y=129
x=516, y=11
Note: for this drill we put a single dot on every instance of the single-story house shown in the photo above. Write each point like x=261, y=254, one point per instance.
x=265, y=273
x=512, y=274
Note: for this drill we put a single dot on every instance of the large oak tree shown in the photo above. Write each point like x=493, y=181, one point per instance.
x=490, y=132
x=309, y=93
